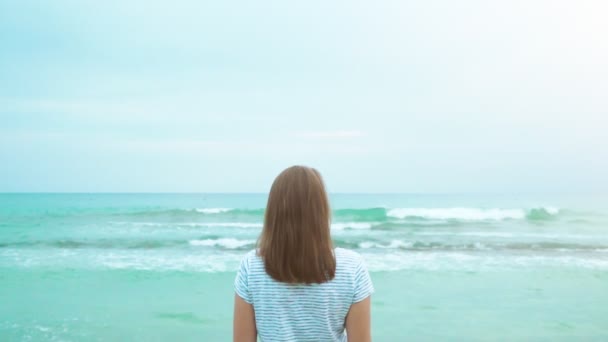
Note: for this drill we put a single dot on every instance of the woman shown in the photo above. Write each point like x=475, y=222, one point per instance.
x=296, y=286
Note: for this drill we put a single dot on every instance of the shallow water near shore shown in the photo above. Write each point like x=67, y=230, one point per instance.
x=154, y=267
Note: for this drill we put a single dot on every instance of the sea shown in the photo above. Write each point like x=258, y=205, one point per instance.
x=445, y=267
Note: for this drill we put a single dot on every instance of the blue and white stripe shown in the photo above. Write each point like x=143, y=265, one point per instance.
x=317, y=312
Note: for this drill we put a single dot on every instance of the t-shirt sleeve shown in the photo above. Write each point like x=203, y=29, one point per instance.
x=241, y=283
x=363, y=283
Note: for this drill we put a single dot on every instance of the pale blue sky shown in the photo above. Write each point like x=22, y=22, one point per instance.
x=380, y=96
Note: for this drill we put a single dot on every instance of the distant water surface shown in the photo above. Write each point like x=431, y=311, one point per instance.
x=160, y=266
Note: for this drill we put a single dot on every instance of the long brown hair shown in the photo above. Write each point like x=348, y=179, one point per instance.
x=295, y=243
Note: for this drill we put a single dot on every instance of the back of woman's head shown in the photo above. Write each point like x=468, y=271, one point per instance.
x=296, y=243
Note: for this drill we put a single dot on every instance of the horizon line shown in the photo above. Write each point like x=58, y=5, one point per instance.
x=266, y=192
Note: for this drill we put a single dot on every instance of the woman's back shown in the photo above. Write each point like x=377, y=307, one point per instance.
x=300, y=312
x=296, y=286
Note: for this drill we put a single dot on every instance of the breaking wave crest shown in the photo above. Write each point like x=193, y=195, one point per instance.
x=473, y=214
x=465, y=214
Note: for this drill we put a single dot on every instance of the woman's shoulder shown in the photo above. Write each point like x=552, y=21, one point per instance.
x=251, y=261
x=252, y=255
x=348, y=257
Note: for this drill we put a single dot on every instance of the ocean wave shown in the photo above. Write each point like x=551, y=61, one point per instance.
x=228, y=261
x=542, y=246
x=335, y=226
x=466, y=261
x=351, y=225
x=184, y=263
x=394, y=244
x=371, y=218
x=189, y=213
x=362, y=242
x=473, y=214
x=466, y=214
x=191, y=224
x=130, y=244
x=224, y=224
x=378, y=215
x=513, y=234
x=213, y=210
x=444, y=261
x=228, y=243
x=406, y=216
x=542, y=213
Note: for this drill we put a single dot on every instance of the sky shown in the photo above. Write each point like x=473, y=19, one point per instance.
x=444, y=96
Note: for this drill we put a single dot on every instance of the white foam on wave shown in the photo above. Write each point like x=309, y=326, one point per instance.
x=516, y=235
x=335, y=226
x=392, y=245
x=465, y=214
x=213, y=210
x=192, y=224
x=351, y=225
x=210, y=261
x=423, y=260
x=229, y=243
x=223, y=224
x=551, y=210
x=132, y=223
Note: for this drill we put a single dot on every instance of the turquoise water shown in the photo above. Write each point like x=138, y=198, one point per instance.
x=154, y=267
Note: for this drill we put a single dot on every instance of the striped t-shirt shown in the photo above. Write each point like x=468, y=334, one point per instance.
x=316, y=312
